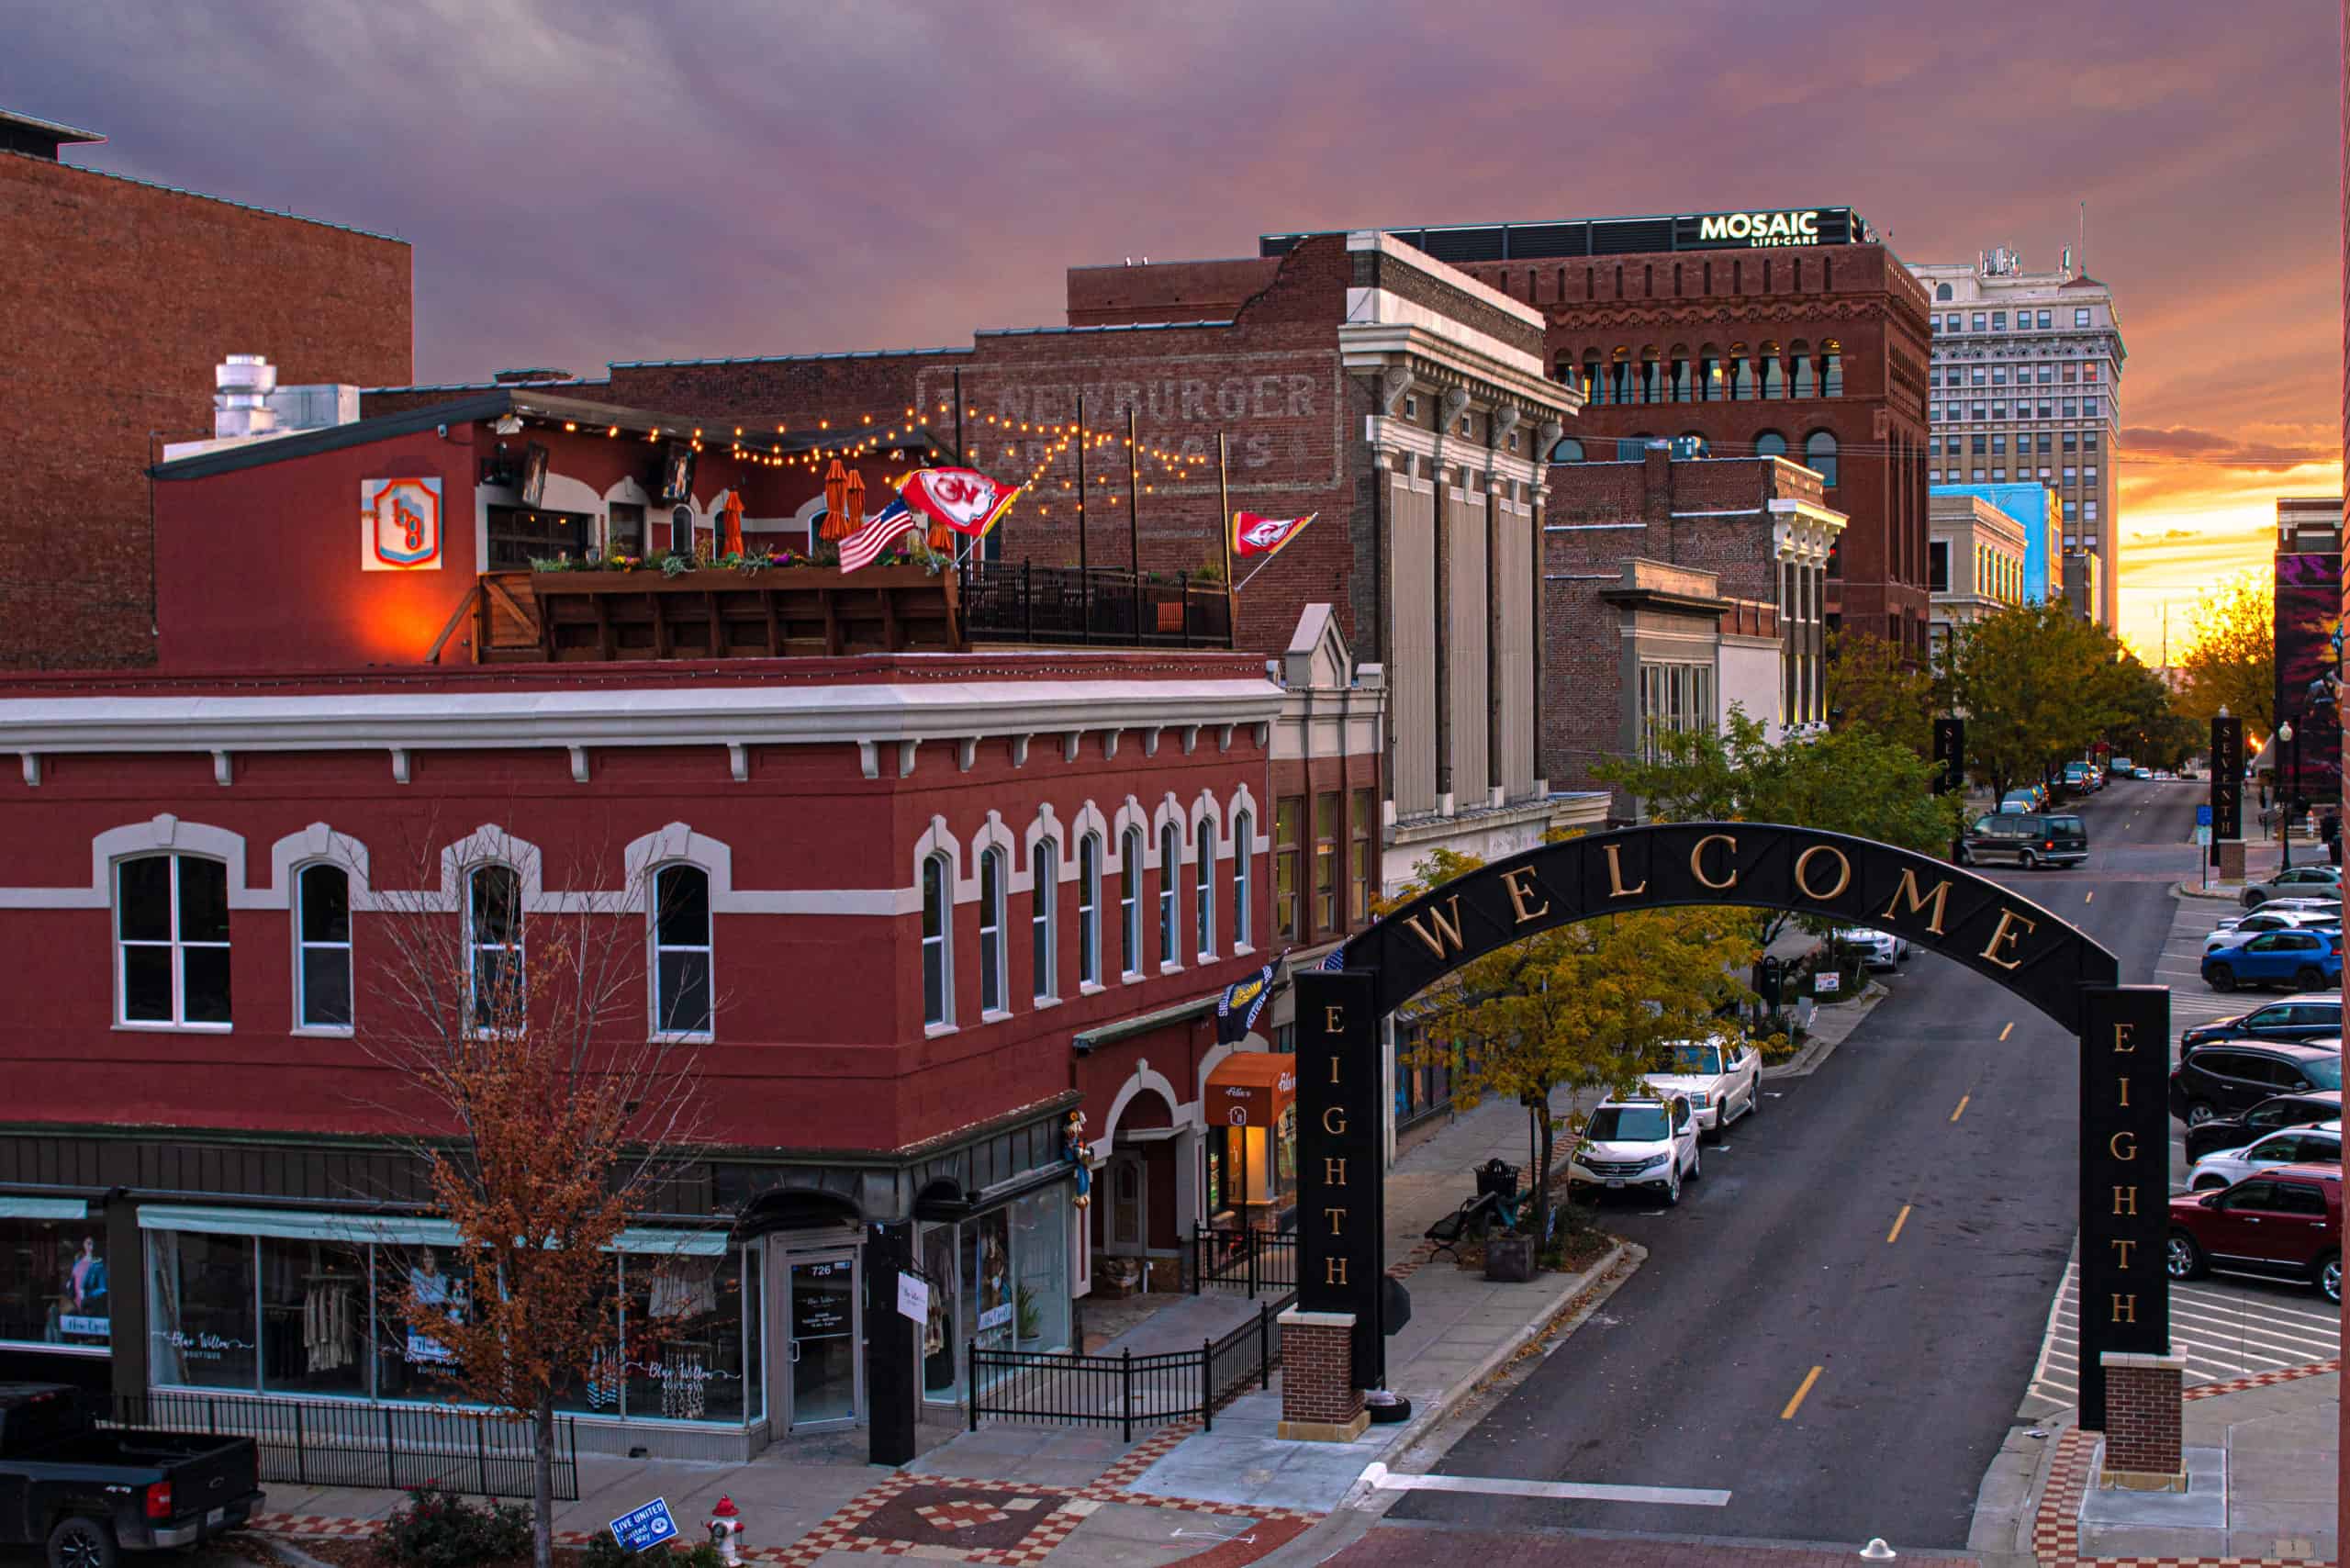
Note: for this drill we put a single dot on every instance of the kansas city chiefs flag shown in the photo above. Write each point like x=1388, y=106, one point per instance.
x=961, y=499
x=1254, y=535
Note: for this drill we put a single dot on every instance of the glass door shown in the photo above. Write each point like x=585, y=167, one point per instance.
x=821, y=1311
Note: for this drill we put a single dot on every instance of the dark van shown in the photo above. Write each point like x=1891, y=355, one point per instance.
x=2030, y=839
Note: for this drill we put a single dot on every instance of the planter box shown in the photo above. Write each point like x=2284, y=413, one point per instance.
x=717, y=613
x=1509, y=1258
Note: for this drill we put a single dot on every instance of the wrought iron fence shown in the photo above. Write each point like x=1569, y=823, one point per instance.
x=316, y=1443
x=1109, y=606
x=1067, y=1388
x=1251, y=1260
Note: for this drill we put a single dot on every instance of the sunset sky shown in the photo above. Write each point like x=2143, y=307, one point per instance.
x=585, y=182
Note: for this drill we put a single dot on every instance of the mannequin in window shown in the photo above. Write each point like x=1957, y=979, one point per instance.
x=86, y=1284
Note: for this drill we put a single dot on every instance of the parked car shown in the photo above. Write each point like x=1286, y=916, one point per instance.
x=2285, y=1223
x=86, y=1493
x=2241, y=928
x=2313, y=1017
x=1878, y=949
x=2123, y=768
x=1643, y=1144
x=2296, y=881
x=2141, y=773
x=2232, y=1076
x=2019, y=801
x=1721, y=1079
x=2221, y=1133
x=2304, y=959
x=2082, y=778
x=2317, y=1144
x=2028, y=839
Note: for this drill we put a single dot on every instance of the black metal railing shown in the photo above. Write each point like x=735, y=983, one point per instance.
x=1251, y=1260
x=1111, y=606
x=315, y=1443
x=1066, y=1388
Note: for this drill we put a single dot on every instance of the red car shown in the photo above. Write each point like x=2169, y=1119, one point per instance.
x=2285, y=1223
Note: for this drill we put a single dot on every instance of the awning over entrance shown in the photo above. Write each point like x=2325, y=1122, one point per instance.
x=1250, y=1089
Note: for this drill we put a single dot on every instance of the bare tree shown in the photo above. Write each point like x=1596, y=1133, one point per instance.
x=543, y=1106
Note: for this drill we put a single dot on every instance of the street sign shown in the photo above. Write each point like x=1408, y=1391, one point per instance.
x=648, y=1526
x=2202, y=816
x=913, y=1297
x=1826, y=983
x=2203, y=833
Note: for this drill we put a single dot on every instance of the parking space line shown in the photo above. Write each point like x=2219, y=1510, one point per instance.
x=1555, y=1491
x=1797, y=1403
x=2009, y=1030
x=2090, y=897
x=1962, y=1107
x=1899, y=1221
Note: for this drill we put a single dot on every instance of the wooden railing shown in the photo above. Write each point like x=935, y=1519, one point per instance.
x=567, y=617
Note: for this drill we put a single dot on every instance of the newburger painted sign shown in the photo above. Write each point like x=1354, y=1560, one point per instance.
x=1753, y=231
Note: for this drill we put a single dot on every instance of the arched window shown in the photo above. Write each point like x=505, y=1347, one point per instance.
x=171, y=928
x=1820, y=455
x=1044, y=866
x=1831, y=369
x=1569, y=450
x=322, y=931
x=1204, y=890
x=1088, y=910
x=1170, y=877
x=1941, y=291
x=937, y=945
x=993, y=982
x=681, y=951
x=1244, y=839
x=1770, y=443
x=1130, y=902
x=494, y=938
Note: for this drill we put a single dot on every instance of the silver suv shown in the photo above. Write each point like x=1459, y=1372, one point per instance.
x=1651, y=1145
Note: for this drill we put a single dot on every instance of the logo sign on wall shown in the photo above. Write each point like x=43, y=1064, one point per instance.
x=399, y=525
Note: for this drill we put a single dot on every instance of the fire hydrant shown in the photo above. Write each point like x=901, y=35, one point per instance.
x=725, y=1527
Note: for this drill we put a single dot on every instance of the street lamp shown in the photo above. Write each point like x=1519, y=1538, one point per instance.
x=2290, y=741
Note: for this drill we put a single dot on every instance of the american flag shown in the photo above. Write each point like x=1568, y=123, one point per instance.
x=1335, y=960
x=880, y=530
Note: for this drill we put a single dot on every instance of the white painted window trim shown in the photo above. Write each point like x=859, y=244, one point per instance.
x=474, y=948
x=998, y=916
x=175, y=945
x=1130, y=898
x=654, y=949
x=1044, y=923
x=1089, y=908
x=944, y=857
x=1203, y=892
x=302, y=947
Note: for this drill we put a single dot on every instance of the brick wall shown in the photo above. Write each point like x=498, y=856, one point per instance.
x=1317, y=1374
x=2141, y=1415
x=122, y=297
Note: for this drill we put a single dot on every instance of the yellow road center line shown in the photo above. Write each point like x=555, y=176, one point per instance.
x=2090, y=897
x=2009, y=1030
x=1962, y=1107
x=1899, y=1221
x=1797, y=1403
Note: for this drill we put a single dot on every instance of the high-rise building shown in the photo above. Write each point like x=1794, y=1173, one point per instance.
x=2026, y=384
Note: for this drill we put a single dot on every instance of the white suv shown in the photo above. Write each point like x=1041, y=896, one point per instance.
x=1722, y=1078
x=1878, y=949
x=1643, y=1143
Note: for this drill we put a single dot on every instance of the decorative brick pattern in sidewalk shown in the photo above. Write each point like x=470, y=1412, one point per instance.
x=2057, y=1527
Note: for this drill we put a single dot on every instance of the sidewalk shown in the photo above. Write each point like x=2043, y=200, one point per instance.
x=2262, y=1457
x=1023, y=1494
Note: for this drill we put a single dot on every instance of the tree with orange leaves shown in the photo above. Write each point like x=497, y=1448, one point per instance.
x=539, y=1124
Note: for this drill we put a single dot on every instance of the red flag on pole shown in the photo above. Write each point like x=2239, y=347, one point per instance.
x=1254, y=535
x=962, y=499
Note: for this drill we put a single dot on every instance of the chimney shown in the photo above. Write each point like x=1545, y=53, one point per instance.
x=241, y=385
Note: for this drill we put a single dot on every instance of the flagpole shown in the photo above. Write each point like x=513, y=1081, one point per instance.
x=1224, y=536
x=1084, y=580
x=1133, y=514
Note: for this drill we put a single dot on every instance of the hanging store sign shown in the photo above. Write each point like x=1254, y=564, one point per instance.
x=399, y=525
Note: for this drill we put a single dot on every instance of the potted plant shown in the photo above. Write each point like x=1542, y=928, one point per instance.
x=1029, y=1322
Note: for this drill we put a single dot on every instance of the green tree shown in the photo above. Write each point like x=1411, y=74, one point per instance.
x=2036, y=685
x=1875, y=682
x=1584, y=1006
x=2232, y=660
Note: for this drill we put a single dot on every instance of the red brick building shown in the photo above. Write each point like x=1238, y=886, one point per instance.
x=1667, y=325
x=903, y=913
x=122, y=297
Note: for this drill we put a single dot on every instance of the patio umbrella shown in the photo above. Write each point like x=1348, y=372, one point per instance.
x=838, y=523
x=853, y=503
x=730, y=536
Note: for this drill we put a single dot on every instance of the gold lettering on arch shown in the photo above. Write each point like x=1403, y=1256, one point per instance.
x=1445, y=940
x=1803, y=873
x=2003, y=936
x=1698, y=862
x=1615, y=888
x=1520, y=898
x=1937, y=900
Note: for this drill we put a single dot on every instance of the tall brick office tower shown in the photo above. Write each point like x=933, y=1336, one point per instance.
x=122, y=297
x=1790, y=333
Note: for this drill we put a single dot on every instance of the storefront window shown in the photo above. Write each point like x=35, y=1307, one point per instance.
x=200, y=1322
x=942, y=1359
x=1040, y=1259
x=682, y=1337
x=409, y=1363
x=987, y=1280
x=53, y=1282
x=314, y=1297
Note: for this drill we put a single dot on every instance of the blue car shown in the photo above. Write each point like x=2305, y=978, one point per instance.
x=2306, y=960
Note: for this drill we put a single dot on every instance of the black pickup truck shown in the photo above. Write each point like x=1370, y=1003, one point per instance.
x=88, y=1492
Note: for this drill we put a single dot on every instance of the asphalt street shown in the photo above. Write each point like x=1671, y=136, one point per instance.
x=1836, y=1325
